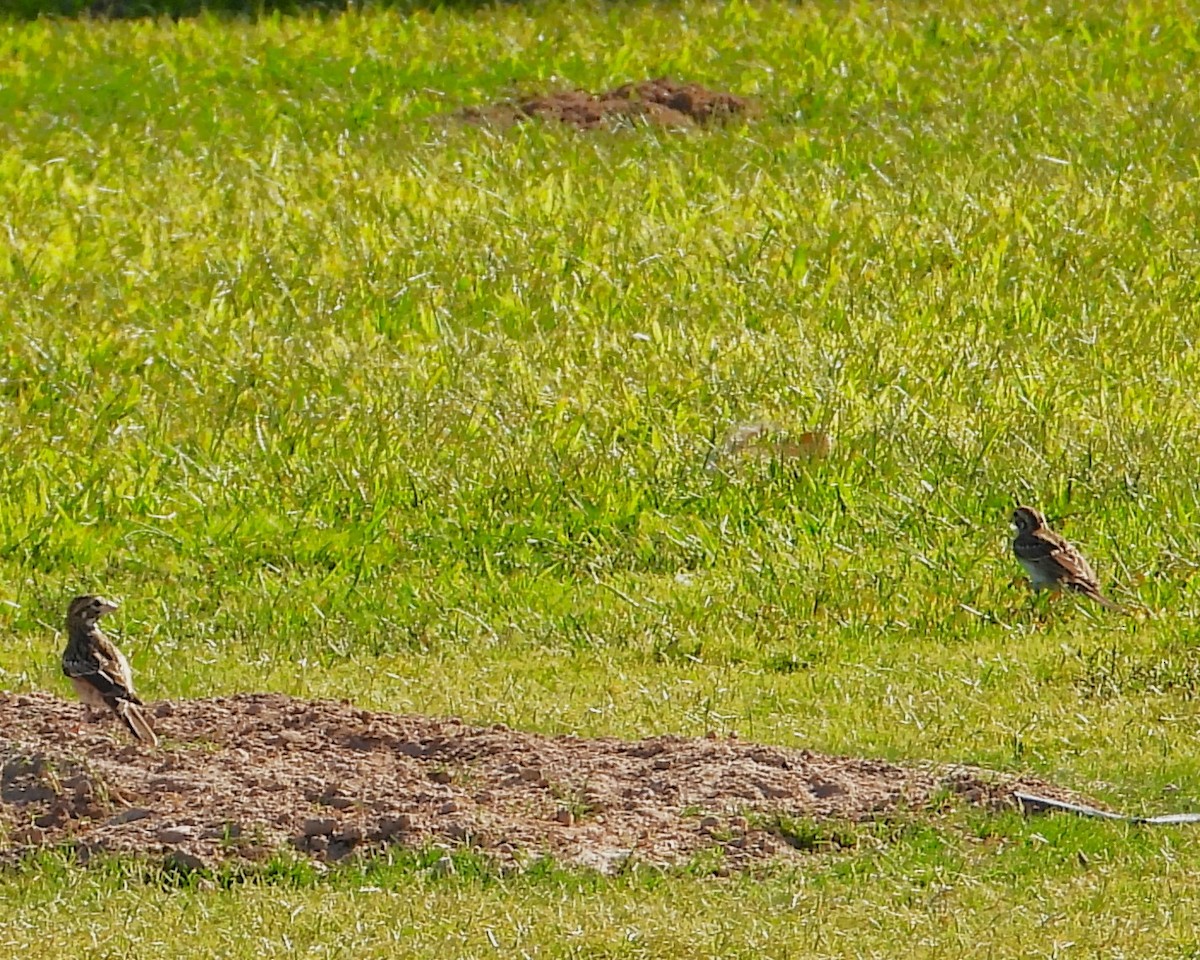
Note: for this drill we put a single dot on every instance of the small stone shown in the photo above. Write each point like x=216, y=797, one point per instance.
x=30, y=836
x=129, y=816
x=51, y=819
x=824, y=789
x=711, y=735
x=565, y=817
x=337, y=802
x=318, y=844
x=477, y=838
x=223, y=831
x=531, y=774
x=710, y=824
x=390, y=826
x=351, y=834
x=338, y=849
x=164, y=708
x=450, y=806
x=182, y=860
x=440, y=776
x=662, y=763
x=319, y=827
x=176, y=834
x=595, y=801
x=83, y=788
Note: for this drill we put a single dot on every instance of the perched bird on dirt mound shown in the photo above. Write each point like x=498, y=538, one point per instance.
x=1050, y=560
x=98, y=670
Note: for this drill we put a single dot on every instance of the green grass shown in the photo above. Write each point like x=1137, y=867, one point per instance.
x=976, y=887
x=345, y=399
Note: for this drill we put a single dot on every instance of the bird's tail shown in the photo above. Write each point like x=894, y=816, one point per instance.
x=1104, y=601
x=134, y=717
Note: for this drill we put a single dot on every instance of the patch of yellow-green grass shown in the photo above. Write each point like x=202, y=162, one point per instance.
x=973, y=886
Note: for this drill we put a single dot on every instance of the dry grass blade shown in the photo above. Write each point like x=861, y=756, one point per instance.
x=763, y=439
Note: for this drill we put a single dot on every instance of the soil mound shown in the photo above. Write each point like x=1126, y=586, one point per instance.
x=663, y=102
x=239, y=777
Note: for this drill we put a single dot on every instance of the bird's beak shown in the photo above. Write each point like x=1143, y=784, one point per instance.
x=107, y=606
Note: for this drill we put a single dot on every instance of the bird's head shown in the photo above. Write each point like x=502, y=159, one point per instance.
x=85, y=611
x=1027, y=520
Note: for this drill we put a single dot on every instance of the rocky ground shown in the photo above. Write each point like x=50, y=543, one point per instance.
x=239, y=777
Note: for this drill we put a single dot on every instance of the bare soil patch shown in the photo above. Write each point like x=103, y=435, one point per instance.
x=663, y=102
x=239, y=777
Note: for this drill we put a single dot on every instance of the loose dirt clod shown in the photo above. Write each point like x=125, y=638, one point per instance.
x=228, y=784
x=663, y=102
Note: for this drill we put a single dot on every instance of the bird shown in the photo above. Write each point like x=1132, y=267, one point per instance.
x=99, y=671
x=1050, y=560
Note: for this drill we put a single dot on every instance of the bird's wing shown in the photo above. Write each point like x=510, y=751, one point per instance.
x=80, y=665
x=105, y=685
x=113, y=662
x=1057, y=555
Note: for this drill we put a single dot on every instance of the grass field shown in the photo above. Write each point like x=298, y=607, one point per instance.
x=343, y=399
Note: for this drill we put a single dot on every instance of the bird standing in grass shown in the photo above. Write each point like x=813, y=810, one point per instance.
x=1050, y=560
x=99, y=671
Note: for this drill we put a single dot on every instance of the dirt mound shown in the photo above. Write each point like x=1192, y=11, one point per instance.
x=239, y=777
x=663, y=102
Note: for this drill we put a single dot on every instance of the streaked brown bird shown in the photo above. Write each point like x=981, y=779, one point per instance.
x=1051, y=562
x=99, y=671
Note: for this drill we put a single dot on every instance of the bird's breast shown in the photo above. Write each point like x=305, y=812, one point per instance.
x=1038, y=575
x=87, y=693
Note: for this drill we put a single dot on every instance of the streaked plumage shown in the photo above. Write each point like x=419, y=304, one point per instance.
x=1051, y=562
x=99, y=671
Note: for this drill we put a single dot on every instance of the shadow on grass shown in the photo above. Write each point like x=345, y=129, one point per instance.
x=252, y=9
